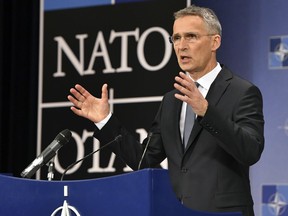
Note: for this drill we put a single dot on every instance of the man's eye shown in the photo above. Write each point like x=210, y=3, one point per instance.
x=190, y=36
x=176, y=38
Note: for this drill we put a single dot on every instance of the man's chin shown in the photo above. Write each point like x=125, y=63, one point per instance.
x=185, y=68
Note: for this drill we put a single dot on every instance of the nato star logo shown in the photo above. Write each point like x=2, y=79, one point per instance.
x=278, y=52
x=275, y=200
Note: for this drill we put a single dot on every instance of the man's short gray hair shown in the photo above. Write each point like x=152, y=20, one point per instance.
x=208, y=16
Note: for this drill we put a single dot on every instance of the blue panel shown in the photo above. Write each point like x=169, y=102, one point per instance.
x=267, y=192
x=126, y=1
x=66, y=4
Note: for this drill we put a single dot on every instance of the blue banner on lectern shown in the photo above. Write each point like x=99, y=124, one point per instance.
x=142, y=193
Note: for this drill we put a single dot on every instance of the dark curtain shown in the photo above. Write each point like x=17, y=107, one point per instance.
x=19, y=26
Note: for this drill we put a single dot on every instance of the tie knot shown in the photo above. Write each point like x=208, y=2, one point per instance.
x=197, y=84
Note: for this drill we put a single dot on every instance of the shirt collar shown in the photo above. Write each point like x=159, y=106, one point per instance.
x=207, y=80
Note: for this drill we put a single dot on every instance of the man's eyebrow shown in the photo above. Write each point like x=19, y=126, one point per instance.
x=190, y=32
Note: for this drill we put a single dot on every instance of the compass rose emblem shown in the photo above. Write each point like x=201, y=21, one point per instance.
x=65, y=209
x=278, y=53
x=277, y=204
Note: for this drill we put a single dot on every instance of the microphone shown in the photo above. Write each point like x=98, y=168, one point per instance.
x=88, y=155
x=145, y=149
x=62, y=138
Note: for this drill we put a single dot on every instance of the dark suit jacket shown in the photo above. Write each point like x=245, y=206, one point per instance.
x=212, y=174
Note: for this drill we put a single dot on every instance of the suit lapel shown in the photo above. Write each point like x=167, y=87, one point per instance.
x=215, y=93
x=218, y=87
x=179, y=144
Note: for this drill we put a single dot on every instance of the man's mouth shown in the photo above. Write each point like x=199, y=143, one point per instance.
x=184, y=58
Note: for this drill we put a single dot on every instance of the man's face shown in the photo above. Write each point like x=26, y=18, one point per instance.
x=195, y=48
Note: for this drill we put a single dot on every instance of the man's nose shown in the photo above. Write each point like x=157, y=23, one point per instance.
x=183, y=44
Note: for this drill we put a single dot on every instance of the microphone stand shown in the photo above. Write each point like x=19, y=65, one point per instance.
x=51, y=169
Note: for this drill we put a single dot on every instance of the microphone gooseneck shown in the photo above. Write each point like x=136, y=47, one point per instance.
x=145, y=149
x=88, y=155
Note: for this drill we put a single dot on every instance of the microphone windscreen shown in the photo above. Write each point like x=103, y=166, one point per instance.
x=65, y=134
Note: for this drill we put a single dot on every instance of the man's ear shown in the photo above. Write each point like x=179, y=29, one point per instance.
x=216, y=42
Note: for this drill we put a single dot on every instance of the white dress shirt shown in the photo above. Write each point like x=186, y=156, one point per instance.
x=204, y=86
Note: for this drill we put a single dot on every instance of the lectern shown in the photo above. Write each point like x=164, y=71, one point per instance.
x=142, y=193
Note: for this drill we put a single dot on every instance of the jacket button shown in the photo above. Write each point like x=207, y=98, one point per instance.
x=184, y=170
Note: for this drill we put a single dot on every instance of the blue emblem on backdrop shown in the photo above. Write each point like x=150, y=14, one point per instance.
x=278, y=52
x=275, y=200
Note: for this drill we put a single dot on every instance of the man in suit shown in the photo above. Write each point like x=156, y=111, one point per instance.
x=209, y=171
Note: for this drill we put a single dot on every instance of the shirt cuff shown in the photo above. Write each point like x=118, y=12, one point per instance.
x=102, y=123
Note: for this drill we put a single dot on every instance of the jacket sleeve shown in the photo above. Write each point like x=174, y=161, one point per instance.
x=242, y=134
x=128, y=148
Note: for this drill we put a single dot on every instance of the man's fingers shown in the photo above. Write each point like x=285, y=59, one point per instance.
x=183, y=98
x=76, y=111
x=184, y=80
x=104, y=94
x=77, y=95
x=182, y=89
x=74, y=101
x=82, y=91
